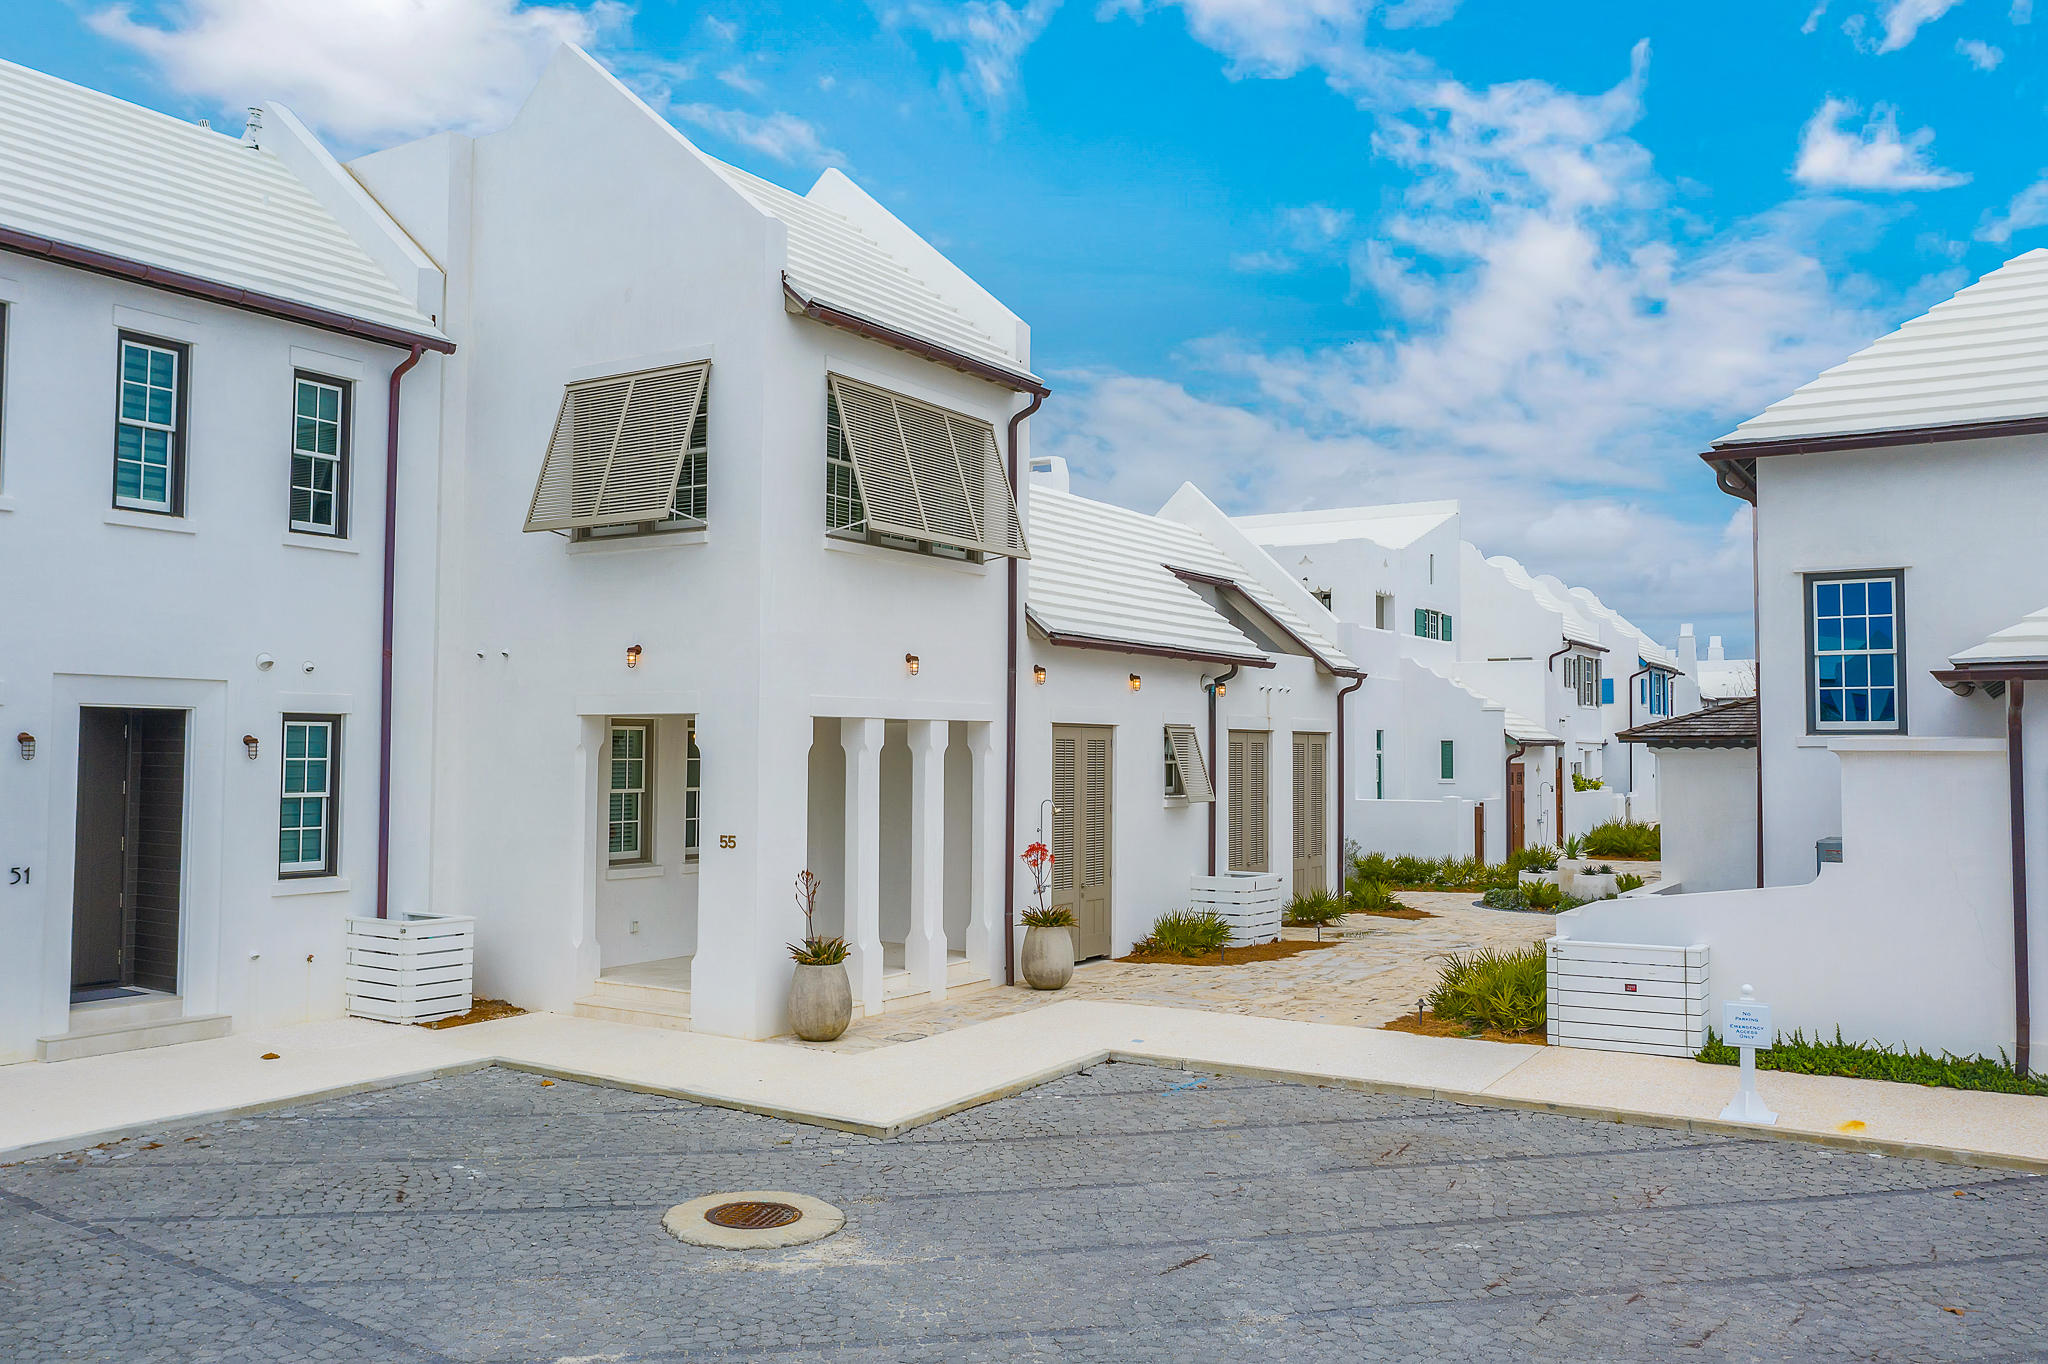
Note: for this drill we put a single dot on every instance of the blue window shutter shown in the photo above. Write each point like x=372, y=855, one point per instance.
x=1606, y=691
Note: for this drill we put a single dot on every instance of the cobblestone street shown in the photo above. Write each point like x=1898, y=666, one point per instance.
x=1381, y=967
x=1125, y=1213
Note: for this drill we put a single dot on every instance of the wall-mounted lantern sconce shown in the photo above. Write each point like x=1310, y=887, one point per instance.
x=1038, y=674
x=28, y=746
x=632, y=655
x=1222, y=687
x=1136, y=682
x=249, y=742
x=910, y=664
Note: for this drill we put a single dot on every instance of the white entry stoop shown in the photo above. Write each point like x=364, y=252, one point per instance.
x=104, y=1027
x=648, y=1006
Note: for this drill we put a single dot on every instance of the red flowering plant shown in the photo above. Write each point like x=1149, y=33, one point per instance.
x=1038, y=858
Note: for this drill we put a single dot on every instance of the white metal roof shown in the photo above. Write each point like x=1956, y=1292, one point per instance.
x=1649, y=650
x=1518, y=727
x=831, y=260
x=1573, y=625
x=1395, y=525
x=2025, y=641
x=1981, y=356
x=89, y=170
x=1105, y=572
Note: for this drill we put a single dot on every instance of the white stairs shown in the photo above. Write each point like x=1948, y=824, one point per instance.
x=648, y=1006
x=106, y=1026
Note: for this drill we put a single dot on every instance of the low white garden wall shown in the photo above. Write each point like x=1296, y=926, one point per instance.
x=1607, y=996
x=1420, y=828
x=1250, y=902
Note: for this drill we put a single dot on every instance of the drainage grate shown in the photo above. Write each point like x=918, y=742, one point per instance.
x=752, y=1216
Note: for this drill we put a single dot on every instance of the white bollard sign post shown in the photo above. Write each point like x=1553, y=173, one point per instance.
x=1747, y=1024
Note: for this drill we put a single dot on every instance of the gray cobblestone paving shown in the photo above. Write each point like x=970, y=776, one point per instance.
x=1124, y=1213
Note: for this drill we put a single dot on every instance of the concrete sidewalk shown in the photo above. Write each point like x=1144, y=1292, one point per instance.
x=72, y=1104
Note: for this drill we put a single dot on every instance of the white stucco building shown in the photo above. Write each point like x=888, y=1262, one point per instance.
x=220, y=366
x=1897, y=565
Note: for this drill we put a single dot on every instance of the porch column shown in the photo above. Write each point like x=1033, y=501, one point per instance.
x=924, y=948
x=985, y=888
x=862, y=740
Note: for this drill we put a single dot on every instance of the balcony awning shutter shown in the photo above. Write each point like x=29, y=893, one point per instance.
x=617, y=449
x=926, y=473
x=1194, y=777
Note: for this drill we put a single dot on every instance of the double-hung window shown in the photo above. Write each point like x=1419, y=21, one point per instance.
x=1855, y=640
x=632, y=763
x=1432, y=624
x=320, y=439
x=149, y=428
x=306, y=824
x=693, y=773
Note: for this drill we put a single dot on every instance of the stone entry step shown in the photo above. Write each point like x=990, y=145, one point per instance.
x=96, y=1037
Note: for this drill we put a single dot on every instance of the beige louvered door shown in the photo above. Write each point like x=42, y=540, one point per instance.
x=1082, y=787
x=1311, y=813
x=1248, y=800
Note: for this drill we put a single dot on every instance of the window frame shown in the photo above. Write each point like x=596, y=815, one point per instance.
x=1176, y=783
x=1379, y=764
x=181, y=387
x=1810, y=585
x=6, y=320
x=693, y=794
x=344, y=463
x=697, y=459
x=1447, y=759
x=643, y=849
x=330, y=828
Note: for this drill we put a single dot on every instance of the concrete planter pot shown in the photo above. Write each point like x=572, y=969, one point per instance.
x=1048, y=957
x=1541, y=878
x=1589, y=885
x=820, y=1002
x=1569, y=869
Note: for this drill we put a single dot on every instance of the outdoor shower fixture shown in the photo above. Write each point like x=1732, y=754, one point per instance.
x=632, y=655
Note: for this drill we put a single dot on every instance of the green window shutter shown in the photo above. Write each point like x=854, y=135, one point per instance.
x=1447, y=627
x=1421, y=623
x=1449, y=763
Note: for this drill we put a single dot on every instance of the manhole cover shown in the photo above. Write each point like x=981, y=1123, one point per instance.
x=752, y=1216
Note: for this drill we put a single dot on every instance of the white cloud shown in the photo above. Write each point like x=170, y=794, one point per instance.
x=1980, y=54
x=1873, y=157
x=1903, y=20
x=736, y=78
x=1570, y=344
x=992, y=37
x=2022, y=11
x=783, y=136
x=363, y=70
x=2028, y=209
x=1814, y=16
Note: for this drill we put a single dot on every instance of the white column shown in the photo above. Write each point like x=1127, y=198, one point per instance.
x=924, y=948
x=862, y=740
x=985, y=906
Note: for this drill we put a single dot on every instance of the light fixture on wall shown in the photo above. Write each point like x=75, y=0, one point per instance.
x=264, y=663
x=910, y=664
x=632, y=655
x=1136, y=681
x=1222, y=687
x=28, y=746
x=249, y=742
x=1038, y=674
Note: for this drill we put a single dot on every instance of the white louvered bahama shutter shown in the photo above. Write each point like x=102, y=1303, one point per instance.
x=926, y=473
x=1187, y=755
x=618, y=449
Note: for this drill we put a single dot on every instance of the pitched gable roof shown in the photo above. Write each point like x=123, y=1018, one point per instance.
x=83, y=169
x=1979, y=358
x=1732, y=724
x=1395, y=525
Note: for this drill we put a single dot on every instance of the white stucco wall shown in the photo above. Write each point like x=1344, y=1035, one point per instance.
x=127, y=609
x=1709, y=830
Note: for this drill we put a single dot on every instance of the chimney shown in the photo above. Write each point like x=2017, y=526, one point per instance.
x=252, y=130
x=1714, y=653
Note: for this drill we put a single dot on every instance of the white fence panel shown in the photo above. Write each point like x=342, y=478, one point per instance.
x=411, y=968
x=1642, y=997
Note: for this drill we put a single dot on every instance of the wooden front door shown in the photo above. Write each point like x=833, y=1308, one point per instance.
x=128, y=856
x=1558, y=841
x=1081, y=792
x=1311, y=813
x=1517, y=806
x=1248, y=800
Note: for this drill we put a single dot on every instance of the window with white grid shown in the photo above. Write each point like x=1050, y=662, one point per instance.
x=148, y=434
x=631, y=760
x=319, y=452
x=305, y=820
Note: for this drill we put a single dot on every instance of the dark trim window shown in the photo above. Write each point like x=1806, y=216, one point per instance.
x=630, y=792
x=1856, y=652
x=1447, y=759
x=307, y=825
x=693, y=783
x=151, y=384
x=1432, y=624
x=321, y=438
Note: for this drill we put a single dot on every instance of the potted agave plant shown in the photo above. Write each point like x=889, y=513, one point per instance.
x=1048, y=930
x=820, y=995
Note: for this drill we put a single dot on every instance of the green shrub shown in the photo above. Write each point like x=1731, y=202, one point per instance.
x=1544, y=896
x=1505, y=897
x=1625, y=838
x=1541, y=857
x=1413, y=871
x=1871, y=1061
x=1317, y=907
x=1585, y=783
x=1372, y=897
x=816, y=951
x=1627, y=881
x=1185, y=933
x=1490, y=989
x=1373, y=867
x=1056, y=916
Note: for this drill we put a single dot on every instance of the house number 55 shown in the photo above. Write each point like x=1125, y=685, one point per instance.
x=728, y=840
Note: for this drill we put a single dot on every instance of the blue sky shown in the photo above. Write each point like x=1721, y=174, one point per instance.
x=1303, y=252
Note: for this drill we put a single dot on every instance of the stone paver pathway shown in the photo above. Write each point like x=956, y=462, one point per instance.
x=1378, y=971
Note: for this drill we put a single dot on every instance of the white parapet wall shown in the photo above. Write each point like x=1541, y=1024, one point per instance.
x=1641, y=997
x=413, y=968
x=1907, y=941
x=1250, y=902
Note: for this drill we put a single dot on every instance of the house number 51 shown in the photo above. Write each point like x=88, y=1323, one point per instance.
x=17, y=876
x=728, y=840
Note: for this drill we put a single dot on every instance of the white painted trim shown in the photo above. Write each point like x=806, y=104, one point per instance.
x=328, y=363
x=845, y=544
x=169, y=327
x=164, y=521
x=658, y=539
x=890, y=708
x=634, y=705
x=1907, y=743
x=312, y=885
x=10, y=289
x=634, y=871
x=332, y=544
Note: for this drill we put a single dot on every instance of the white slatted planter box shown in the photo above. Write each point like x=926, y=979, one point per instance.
x=1250, y=902
x=1642, y=997
x=411, y=968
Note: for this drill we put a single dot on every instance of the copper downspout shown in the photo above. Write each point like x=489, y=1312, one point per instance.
x=1215, y=757
x=390, y=627
x=1343, y=791
x=1010, y=726
x=2015, y=762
